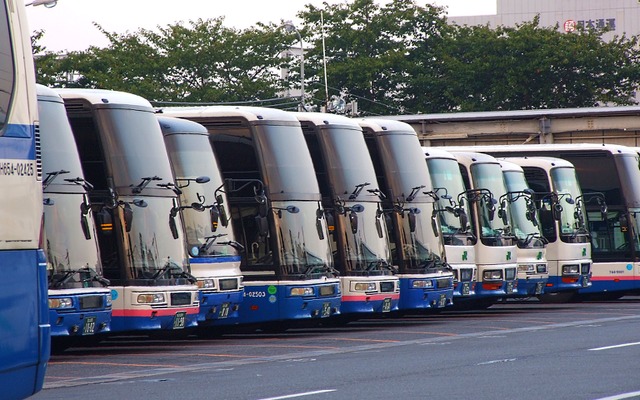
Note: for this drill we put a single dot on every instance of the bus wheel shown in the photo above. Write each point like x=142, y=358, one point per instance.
x=555, y=298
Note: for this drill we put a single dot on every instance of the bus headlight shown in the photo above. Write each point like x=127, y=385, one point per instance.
x=206, y=284
x=492, y=275
x=363, y=286
x=109, y=300
x=301, y=291
x=571, y=269
x=151, y=298
x=422, y=284
x=541, y=268
x=61, y=302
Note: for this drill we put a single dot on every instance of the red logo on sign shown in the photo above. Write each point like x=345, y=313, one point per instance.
x=569, y=25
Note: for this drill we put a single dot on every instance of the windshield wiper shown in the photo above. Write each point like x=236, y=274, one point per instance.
x=320, y=269
x=234, y=244
x=93, y=276
x=209, y=242
x=171, y=266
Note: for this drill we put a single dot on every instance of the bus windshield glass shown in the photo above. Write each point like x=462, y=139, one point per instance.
x=70, y=251
x=134, y=156
x=287, y=163
x=365, y=250
x=565, y=184
x=446, y=179
x=422, y=248
x=153, y=252
x=489, y=176
x=523, y=228
x=300, y=250
x=192, y=157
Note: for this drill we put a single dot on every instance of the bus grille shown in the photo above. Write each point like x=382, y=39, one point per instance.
x=181, y=299
x=387, y=287
x=89, y=302
x=228, y=284
x=443, y=283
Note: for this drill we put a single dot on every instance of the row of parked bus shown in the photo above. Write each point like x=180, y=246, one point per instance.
x=217, y=217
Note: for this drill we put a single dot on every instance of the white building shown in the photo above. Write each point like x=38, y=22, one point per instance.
x=621, y=16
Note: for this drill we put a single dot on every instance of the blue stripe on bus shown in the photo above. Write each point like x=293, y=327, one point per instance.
x=16, y=147
x=213, y=260
x=19, y=131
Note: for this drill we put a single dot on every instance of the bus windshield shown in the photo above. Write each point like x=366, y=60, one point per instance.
x=489, y=176
x=192, y=156
x=300, y=250
x=573, y=216
x=422, y=249
x=71, y=252
x=524, y=228
x=446, y=179
x=367, y=249
x=152, y=251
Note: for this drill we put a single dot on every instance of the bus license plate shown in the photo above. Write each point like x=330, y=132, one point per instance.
x=466, y=288
x=386, y=305
x=326, y=310
x=224, y=310
x=539, y=287
x=89, y=326
x=179, y=320
x=442, y=301
x=585, y=281
x=509, y=287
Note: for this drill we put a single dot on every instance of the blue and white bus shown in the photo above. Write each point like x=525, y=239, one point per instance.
x=275, y=209
x=214, y=254
x=495, y=245
x=350, y=193
x=533, y=271
x=455, y=225
x=25, y=330
x=417, y=247
x=79, y=300
x=143, y=254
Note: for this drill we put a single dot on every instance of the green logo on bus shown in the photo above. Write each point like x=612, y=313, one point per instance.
x=464, y=255
x=508, y=256
x=584, y=252
x=272, y=289
x=539, y=256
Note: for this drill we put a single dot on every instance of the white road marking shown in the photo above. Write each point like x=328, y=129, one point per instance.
x=497, y=361
x=291, y=396
x=614, y=346
x=621, y=396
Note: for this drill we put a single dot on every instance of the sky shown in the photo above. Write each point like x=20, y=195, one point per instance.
x=69, y=25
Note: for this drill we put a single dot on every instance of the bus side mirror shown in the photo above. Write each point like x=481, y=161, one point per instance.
x=224, y=219
x=434, y=223
x=173, y=226
x=127, y=213
x=84, y=222
x=412, y=221
x=379, y=224
x=353, y=220
x=262, y=225
x=464, y=219
x=319, y=227
x=214, y=217
x=556, y=211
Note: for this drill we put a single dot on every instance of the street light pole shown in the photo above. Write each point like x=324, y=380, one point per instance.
x=290, y=27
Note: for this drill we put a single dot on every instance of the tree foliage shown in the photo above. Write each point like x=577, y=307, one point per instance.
x=530, y=67
x=202, y=61
x=394, y=58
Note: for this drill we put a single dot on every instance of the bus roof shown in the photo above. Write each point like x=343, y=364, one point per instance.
x=470, y=157
x=172, y=125
x=520, y=148
x=248, y=113
x=547, y=163
x=101, y=96
x=385, y=125
x=437, y=152
x=326, y=119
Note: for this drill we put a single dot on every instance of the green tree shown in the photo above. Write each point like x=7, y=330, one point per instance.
x=532, y=67
x=202, y=61
x=369, y=50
